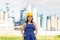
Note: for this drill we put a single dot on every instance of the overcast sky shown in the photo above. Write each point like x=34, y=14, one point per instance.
x=47, y=7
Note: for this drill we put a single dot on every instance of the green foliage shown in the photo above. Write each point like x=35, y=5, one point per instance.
x=38, y=38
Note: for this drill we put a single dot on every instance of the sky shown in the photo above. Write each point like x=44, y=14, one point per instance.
x=48, y=7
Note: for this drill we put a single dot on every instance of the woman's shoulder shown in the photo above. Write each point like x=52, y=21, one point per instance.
x=24, y=23
x=34, y=23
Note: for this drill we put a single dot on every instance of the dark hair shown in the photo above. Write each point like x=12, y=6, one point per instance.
x=27, y=20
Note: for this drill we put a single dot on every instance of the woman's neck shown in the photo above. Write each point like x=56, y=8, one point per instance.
x=29, y=22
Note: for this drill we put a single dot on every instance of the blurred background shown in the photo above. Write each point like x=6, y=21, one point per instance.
x=46, y=14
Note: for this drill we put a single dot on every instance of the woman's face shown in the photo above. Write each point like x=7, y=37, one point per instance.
x=29, y=18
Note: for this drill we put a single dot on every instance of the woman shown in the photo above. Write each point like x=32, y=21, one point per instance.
x=29, y=28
